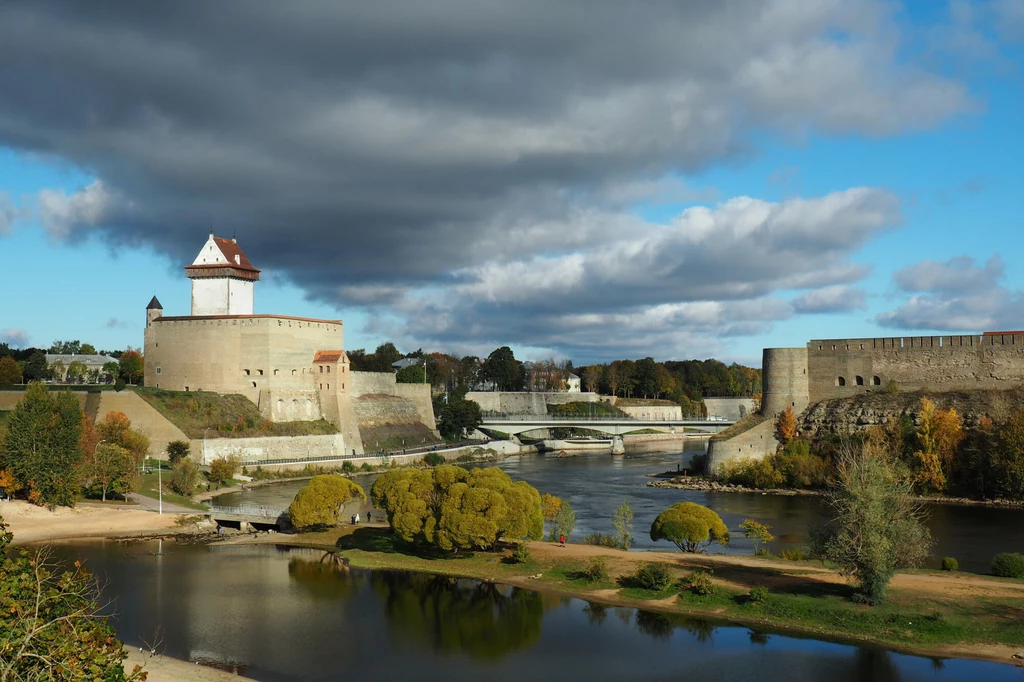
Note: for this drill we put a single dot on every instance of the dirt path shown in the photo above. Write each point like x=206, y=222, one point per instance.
x=30, y=523
x=165, y=669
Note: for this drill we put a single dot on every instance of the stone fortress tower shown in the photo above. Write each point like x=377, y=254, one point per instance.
x=222, y=279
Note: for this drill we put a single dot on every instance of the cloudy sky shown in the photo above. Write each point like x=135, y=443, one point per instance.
x=588, y=179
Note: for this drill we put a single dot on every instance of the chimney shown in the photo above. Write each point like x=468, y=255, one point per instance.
x=238, y=259
x=234, y=240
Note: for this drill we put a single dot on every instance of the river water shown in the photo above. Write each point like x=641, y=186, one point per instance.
x=596, y=484
x=279, y=614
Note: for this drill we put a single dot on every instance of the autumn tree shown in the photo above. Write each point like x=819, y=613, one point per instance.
x=690, y=527
x=623, y=523
x=321, y=501
x=939, y=434
x=876, y=525
x=116, y=428
x=53, y=627
x=785, y=427
x=1007, y=461
x=10, y=373
x=758, y=533
x=112, y=469
x=76, y=371
x=592, y=377
x=565, y=521
x=223, y=469
x=184, y=477
x=41, y=447
x=178, y=450
x=130, y=365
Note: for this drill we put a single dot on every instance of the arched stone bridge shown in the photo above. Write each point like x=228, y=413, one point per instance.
x=613, y=426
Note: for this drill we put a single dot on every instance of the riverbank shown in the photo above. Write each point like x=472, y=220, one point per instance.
x=30, y=523
x=166, y=669
x=928, y=613
x=708, y=485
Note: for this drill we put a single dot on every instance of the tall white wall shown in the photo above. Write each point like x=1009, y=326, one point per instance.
x=210, y=296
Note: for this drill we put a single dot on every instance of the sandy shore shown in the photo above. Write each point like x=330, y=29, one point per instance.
x=164, y=669
x=30, y=523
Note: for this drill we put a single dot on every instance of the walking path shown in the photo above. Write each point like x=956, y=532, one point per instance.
x=154, y=505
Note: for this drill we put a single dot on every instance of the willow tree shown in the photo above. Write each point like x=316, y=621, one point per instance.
x=322, y=500
x=690, y=527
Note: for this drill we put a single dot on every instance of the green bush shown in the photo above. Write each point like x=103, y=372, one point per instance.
x=699, y=582
x=366, y=467
x=950, y=564
x=1008, y=565
x=601, y=540
x=520, y=555
x=698, y=464
x=119, y=385
x=793, y=555
x=348, y=467
x=433, y=459
x=758, y=594
x=596, y=570
x=652, y=576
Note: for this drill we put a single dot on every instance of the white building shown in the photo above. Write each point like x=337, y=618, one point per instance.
x=572, y=384
x=222, y=279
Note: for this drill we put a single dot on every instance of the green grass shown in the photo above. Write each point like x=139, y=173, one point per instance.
x=148, y=488
x=223, y=416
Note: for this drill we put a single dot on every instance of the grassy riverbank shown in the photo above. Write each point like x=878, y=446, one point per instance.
x=928, y=613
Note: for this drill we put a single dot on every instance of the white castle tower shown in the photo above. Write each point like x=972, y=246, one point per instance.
x=222, y=279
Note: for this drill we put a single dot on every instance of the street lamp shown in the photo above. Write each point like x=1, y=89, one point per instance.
x=205, y=460
x=159, y=486
x=424, y=370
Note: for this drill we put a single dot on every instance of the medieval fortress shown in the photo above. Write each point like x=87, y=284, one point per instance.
x=827, y=369
x=291, y=368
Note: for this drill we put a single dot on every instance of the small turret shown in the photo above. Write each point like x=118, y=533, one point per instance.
x=153, y=311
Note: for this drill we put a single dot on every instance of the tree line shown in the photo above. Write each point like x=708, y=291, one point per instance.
x=23, y=366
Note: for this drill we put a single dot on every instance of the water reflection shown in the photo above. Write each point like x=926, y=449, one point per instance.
x=446, y=615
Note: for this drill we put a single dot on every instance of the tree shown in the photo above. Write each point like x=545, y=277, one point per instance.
x=322, y=500
x=42, y=447
x=413, y=374
x=876, y=525
x=565, y=521
x=77, y=371
x=623, y=522
x=939, y=435
x=35, y=368
x=112, y=469
x=690, y=527
x=178, y=450
x=502, y=368
x=223, y=469
x=110, y=370
x=10, y=373
x=53, y=627
x=130, y=365
x=87, y=349
x=458, y=417
x=116, y=428
x=759, y=533
x=592, y=377
x=785, y=427
x=1007, y=462
x=59, y=347
x=550, y=505
x=184, y=477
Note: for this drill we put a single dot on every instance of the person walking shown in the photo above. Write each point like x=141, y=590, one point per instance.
x=357, y=518
x=561, y=540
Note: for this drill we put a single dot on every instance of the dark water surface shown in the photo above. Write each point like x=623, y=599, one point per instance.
x=596, y=484
x=284, y=614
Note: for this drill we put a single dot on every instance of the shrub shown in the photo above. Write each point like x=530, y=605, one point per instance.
x=601, y=540
x=348, y=467
x=596, y=570
x=699, y=582
x=690, y=527
x=758, y=594
x=366, y=467
x=184, y=477
x=652, y=576
x=433, y=459
x=178, y=450
x=1008, y=565
x=119, y=385
x=793, y=555
x=223, y=469
x=950, y=564
x=698, y=464
x=520, y=555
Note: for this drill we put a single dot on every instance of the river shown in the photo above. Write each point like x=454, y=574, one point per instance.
x=596, y=484
x=280, y=614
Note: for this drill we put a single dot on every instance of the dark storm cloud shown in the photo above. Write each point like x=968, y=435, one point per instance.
x=376, y=151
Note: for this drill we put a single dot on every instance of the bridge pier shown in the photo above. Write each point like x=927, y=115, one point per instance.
x=618, y=446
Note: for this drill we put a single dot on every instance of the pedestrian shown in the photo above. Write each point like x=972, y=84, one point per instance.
x=353, y=519
x=357, y=518
x=369, y=517
x=561, y=539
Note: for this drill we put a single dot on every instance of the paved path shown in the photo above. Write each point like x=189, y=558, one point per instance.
x=154, y=505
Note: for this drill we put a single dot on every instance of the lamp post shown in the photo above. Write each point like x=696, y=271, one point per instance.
x=424, y=370
x=159, y=486
x=205, y=460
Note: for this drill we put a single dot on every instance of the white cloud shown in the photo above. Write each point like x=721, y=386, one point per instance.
x=839, y=298
x=16, y=338
x=62, y=213
x=8, y=213
x=957, y=275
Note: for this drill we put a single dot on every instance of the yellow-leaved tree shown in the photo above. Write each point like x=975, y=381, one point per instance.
x=785, y=427
x=939, y=434
x=321, y=502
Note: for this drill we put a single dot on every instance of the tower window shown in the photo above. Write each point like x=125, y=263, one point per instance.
x=157, y=370
x=254, y=384
x=840, y=381
x=860, y=381
x=260, y=371
x=328, y=369
x=876, y=381
x=246, y=372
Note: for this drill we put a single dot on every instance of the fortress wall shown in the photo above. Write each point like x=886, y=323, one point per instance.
x=284, y=405
x=657, y=412
x=730, y=408
x=784, y=380
x=144, y=417
x=753, y=444
x=936, y=362
x=254, y=450
x=214, y=353
x=419, y=395
x=523, y=402
x=376, y=383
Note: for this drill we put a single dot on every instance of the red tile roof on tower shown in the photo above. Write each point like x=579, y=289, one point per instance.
x=230, y=249
x=328, y=355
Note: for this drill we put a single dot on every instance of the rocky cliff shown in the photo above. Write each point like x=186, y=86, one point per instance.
x=850, y=415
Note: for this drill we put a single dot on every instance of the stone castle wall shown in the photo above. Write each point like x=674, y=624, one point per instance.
x=509, y=402
x=253, y=451
x=653, y=412
x=733, y=409
x=754, y=443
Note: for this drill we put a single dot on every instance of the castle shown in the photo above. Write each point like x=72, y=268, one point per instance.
x=840, y=368
x=291, y=368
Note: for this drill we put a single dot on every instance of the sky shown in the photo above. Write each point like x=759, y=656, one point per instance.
x=587, y=179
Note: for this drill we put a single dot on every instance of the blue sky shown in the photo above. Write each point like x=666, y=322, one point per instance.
x=864, y=183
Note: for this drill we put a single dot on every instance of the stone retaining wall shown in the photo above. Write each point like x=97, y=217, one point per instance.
x=508, y=402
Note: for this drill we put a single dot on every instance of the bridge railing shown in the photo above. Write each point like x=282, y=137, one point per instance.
x=250, y=510
x=585, y=417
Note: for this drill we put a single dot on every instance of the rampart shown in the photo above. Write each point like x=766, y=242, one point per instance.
x=252, y=451
x=655, y=412
x=509, y=402
x=732, y=409
x=389, y=414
